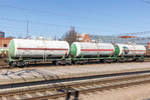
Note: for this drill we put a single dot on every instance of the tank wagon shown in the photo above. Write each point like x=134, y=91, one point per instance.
x=81, y=51
x=24, y=51
x=131, y=50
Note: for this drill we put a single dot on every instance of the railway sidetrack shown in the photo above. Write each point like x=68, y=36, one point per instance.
x=72, y=87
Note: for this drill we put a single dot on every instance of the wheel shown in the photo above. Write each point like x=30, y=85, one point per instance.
x=12, y=64
x=109, y=61
x=74, y=62
x=20, y=64
x=102, y=60
x=54, y=62
x=69, y=62
x=115, y=60
x=57, y=63
x=134, y=60
x=140, y=60
x=121, y=60
x=26, y=63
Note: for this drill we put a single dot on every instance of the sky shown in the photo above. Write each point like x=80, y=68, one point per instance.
x=53, y=18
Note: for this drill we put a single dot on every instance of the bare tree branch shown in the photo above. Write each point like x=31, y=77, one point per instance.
x=71, y=36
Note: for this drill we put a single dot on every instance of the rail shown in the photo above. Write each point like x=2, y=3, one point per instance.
x=74, y=87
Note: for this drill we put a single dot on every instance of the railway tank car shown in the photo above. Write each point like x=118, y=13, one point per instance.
x=21, y=50
x=134, y=51
x=131, y=50
x=92, y=51
x=24, y=51
x=107, y=51
x=79, y=49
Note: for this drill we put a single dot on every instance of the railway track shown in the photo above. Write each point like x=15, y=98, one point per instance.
x=52, y=65
x=69, y=87
x=4, y=65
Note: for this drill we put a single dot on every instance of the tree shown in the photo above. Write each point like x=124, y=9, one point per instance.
x=71, y=36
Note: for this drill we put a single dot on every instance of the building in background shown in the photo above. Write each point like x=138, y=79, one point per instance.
x=4, y=42
x=83, y=38
x=4, y=46
x=2, y=34
x=117, y=39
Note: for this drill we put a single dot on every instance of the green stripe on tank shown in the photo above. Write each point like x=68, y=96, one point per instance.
x=11, y=48
x=73, y=50
x=117, y=50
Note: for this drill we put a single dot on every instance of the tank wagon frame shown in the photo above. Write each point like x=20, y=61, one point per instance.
x=78, y=53
x=22, y=61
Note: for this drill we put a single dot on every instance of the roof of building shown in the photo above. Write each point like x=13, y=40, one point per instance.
x=117, y=39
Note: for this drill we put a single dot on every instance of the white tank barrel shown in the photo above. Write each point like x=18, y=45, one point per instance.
x=131, y=50
x=38, y=48
x=91, y=49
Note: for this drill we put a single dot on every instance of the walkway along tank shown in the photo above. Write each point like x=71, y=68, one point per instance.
x=22, y=51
